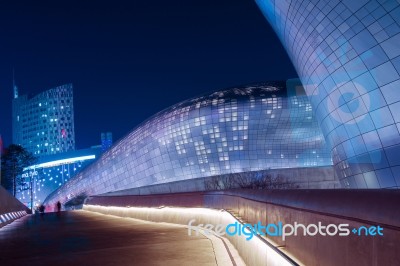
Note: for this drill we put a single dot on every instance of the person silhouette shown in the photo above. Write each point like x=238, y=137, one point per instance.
x=58, y=206
x=41, y=210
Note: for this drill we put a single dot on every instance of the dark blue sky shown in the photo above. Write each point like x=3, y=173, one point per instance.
x=130, y=59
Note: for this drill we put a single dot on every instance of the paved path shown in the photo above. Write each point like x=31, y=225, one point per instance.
x=83, y=238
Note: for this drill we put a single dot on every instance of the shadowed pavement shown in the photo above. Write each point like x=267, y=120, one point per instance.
x=85, y=238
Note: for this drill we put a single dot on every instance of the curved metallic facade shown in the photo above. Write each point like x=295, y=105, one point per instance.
x=347, y=56
x=243, y=129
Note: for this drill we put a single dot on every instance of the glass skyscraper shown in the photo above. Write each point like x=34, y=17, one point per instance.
x=347, y=55
x=44, y=123
x=243, y=129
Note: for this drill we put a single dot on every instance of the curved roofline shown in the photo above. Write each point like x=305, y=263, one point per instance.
x=39, y=94
x=206, y=94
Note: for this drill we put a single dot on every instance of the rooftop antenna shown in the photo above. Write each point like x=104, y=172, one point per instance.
x=15, y=88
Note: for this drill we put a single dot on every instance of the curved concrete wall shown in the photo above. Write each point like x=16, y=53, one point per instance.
x=10, y=208
x=353, y=207
x=255, y=252
x=347, y=56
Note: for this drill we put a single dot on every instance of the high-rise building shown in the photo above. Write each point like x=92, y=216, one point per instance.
x=44, y=123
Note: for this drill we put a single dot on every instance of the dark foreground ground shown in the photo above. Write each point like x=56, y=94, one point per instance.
x=83, y=238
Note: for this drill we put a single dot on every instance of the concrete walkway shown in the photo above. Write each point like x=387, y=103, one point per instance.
x=84, y=238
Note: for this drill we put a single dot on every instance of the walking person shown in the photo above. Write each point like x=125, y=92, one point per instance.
x=41, y=210
x=58, y=206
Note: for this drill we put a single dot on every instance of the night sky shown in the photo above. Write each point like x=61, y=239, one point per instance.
x=128, y=60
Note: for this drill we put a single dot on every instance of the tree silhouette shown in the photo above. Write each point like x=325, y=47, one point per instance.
x=13, y=162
